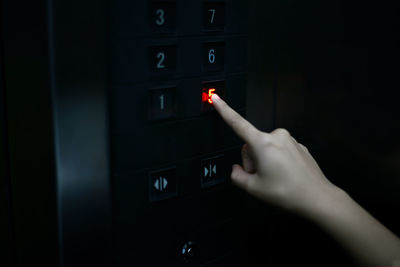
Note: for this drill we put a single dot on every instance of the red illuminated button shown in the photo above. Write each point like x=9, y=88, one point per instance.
x=207, y=91
x=207, y=94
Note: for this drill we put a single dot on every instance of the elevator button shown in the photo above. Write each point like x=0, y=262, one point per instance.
x=213, y=56
x=162, y=103
x=162, y=58
x=162, y=16
x=163, y=184
x=213, y=16
x=208, y=89
x=212, y=171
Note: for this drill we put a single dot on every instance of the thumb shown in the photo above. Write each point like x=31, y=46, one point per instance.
x=242, y=178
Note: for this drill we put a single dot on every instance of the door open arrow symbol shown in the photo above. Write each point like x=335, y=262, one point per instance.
x=161, y=184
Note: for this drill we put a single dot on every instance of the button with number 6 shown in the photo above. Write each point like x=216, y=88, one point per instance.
x=213, y=56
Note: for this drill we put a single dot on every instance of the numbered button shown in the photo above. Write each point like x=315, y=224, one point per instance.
x=214, y=16
x=213, y=56
x=162, y=58
x=208, y=89
x=162, y=16
x=162, y=103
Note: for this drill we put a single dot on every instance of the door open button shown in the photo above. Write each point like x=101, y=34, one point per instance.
x=163, y=184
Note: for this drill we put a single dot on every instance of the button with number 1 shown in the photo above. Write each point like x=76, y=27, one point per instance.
x=162, y=103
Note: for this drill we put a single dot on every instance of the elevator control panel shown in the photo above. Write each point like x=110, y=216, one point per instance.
x=171, y=152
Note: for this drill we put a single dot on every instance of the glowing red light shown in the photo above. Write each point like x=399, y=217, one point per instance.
x=204, y=97
x=211, y=92
x=207, y=94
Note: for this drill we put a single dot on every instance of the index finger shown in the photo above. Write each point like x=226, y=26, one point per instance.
x=239, y=125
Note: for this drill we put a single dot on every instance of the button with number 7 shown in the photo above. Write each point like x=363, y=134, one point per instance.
x=214, y=16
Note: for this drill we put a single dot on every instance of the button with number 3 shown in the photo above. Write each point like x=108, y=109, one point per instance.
x=162, y=16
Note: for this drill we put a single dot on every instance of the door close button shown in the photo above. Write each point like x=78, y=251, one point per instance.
x=163, y=184
x=212, y=171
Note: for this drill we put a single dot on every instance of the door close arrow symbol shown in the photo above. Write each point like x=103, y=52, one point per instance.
x=205, y=171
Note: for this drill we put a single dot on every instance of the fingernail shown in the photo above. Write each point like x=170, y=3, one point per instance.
x=215, y=97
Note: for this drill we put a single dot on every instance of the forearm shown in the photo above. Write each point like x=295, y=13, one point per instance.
x=371, y=243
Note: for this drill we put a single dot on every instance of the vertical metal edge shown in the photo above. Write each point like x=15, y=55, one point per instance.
x=78, y=75
x=52, y=83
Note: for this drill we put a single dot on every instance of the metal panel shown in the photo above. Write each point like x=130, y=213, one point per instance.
x=78, y=78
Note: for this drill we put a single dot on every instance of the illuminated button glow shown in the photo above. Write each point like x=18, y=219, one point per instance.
x=207, y=94
x=208, y=90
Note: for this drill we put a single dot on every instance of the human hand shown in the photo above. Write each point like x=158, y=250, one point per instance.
x=276, y=168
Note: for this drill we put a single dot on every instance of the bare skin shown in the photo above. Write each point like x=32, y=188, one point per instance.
x=282, y=172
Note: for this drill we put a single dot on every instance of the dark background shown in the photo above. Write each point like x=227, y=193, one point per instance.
x=328, y=71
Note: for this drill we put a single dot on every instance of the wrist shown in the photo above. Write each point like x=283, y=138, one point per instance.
x=326, y=203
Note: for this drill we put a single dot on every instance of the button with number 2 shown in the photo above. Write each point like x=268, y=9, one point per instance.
x=162, y=58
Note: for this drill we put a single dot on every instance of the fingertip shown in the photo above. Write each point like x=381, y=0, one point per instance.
x=216, y=101
x=215, y=97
